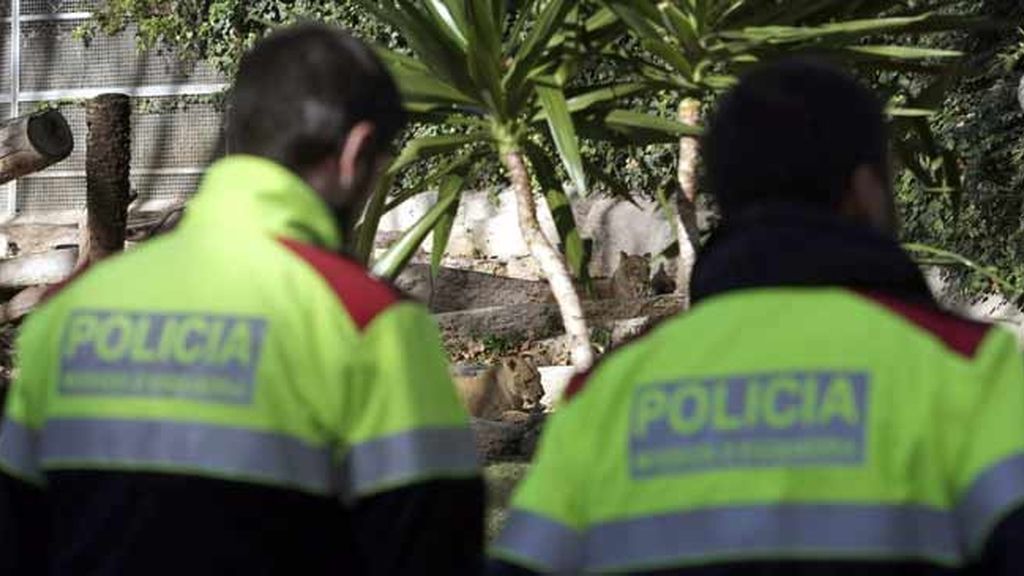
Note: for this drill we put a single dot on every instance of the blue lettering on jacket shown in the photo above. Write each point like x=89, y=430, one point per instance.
x=764, y=420
x=198, y=356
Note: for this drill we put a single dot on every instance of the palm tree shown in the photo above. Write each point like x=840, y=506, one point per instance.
x=697, y=48
x=494, y=83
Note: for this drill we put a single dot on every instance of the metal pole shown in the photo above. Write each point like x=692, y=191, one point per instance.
x=15, y=56
x=11, y=193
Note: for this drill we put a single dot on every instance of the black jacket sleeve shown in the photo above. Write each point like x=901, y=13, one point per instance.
x=429, y=528
x=24, y=520
x=1003, y=554
x=499, y=568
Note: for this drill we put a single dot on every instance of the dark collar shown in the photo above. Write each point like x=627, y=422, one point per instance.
x=776, y=246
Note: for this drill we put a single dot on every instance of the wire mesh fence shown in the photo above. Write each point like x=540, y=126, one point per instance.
x=176, y=119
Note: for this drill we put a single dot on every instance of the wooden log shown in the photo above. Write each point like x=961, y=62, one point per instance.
x=107, y=167
x=35, y=269
x=24, y=302
x=32, y=142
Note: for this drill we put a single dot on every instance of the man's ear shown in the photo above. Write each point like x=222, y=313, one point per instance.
x=868, y=199
x=355, y=153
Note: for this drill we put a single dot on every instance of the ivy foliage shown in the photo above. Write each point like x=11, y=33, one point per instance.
x=981, y=122
x=978, y=129
x=221, y=31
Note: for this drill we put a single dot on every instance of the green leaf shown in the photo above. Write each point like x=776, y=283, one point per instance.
x=904, y=112
x=593, y=96
x=646, y=126
x=421, y=88
x=394, y=261
x=451, y=186
x=449, y=14
x=366, y=230
x=1000, y=282
x=460, y=162
x=682, y=26
x=563, y=131
x=485, y=57
x=670, y=54
x=638, y=15
x=904, y=52
x=533, y=47
x=429, y=39
x=573, y=245
x=600, y=95
x=429, y=146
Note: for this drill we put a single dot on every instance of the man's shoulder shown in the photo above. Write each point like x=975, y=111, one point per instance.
x=363, y=296
x=624, y=355
x=959, y=334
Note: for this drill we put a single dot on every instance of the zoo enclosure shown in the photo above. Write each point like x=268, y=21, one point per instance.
x=176, y=119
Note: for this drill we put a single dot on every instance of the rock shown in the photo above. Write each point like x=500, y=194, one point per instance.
x=539, y=321
x=455, y=289
x=624, y=331
x=506, y=442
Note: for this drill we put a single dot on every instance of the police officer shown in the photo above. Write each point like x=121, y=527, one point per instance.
x=237, y=397
x=816, y=413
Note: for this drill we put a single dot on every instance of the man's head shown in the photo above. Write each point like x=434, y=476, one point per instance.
x=317, y=101
x=801, y=132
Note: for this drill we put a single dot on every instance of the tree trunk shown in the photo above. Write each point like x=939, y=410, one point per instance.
x=686, y=198
x=32, y=142
x=551, y=262
x=1020, y=93
x=108, y=188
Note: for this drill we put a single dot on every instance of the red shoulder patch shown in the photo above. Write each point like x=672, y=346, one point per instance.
x=363, y=296
x=579, y=381
x=576, y=384
x=959, y=334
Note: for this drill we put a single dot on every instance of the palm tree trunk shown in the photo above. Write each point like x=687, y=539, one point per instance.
x=551, y=263
x=686, y=200
x=1020, y=93
x=107, y=168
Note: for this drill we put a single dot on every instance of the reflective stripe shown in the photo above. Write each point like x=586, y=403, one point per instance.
x=19, y=451
x=540, y=543
x=220, y=451
x=403, y=458
x=829, y=531
x=992, y=495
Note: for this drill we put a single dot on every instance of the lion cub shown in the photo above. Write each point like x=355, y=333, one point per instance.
x=511, y=385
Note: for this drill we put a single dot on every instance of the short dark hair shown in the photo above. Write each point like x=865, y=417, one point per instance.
x=793, y=131
x=301, y=90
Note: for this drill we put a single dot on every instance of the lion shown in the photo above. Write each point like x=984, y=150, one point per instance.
x=511, y=385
